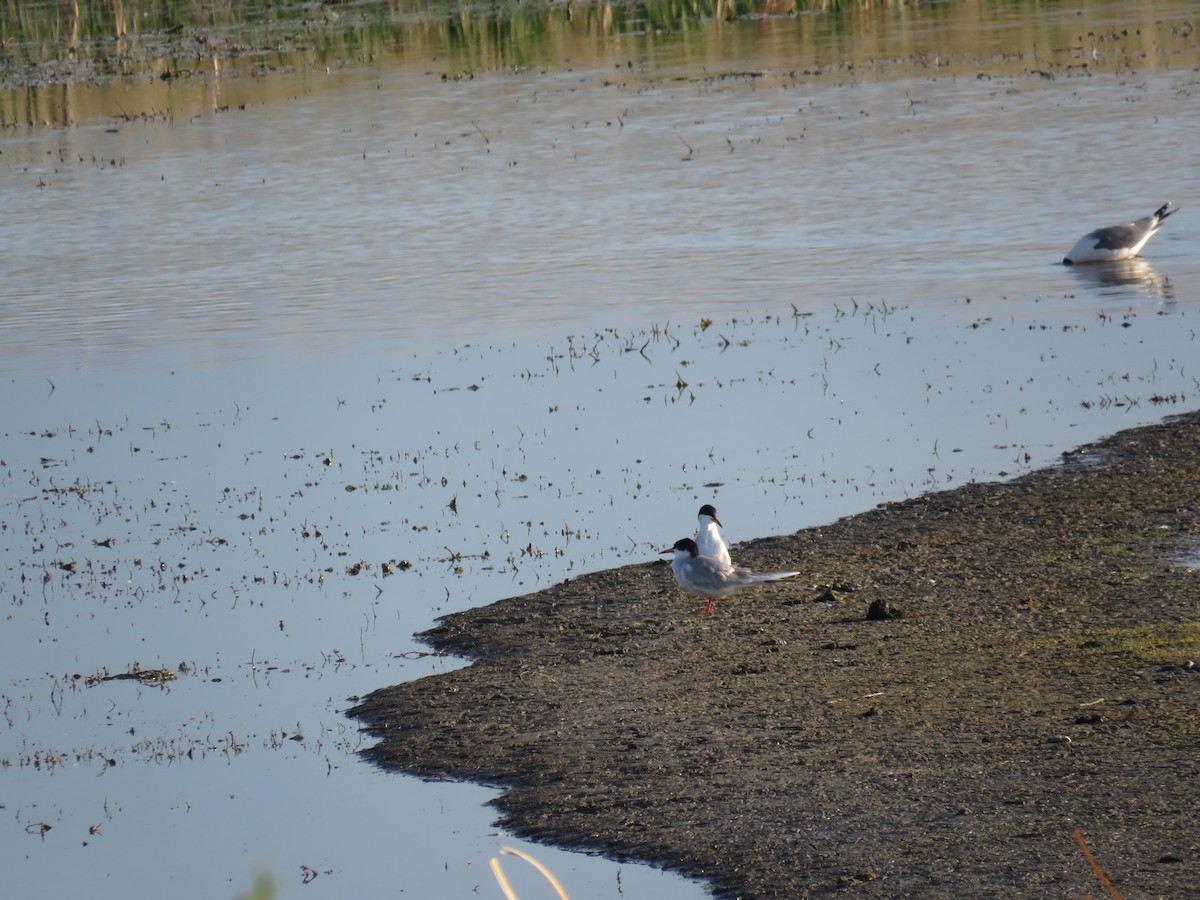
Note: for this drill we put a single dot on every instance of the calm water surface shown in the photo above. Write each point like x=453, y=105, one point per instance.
x=283, y=383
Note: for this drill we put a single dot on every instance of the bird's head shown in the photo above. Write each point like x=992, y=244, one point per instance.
x=685, y=546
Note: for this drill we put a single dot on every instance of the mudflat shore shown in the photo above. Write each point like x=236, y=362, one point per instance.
x=1031, y=667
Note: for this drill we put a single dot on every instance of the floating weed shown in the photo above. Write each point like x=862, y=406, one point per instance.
x=159, y=677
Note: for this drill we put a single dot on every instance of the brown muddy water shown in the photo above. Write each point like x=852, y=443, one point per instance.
x=316, y=327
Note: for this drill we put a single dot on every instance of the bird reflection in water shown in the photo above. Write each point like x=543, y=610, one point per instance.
x=1123, y=274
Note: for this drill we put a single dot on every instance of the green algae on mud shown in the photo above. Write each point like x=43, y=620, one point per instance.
x=788, y=746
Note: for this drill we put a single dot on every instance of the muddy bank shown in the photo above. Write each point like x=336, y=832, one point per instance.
x=1036, y=677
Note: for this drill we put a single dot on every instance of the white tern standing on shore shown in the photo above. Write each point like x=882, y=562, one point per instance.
x=710, y=578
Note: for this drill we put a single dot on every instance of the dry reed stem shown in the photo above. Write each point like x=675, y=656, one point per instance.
x=502, y=879
x=1087, y=854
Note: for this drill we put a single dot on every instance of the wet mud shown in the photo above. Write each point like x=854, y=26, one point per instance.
x=967, y=678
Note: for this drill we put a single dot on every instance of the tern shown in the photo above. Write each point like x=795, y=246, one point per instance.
x=710, y=578
x=1118, y=241
x=708, y=538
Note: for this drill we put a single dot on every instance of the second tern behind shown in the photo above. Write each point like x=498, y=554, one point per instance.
x=708, y=536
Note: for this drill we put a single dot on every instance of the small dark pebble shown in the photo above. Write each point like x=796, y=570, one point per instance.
x=829, y=595
x=882, y=611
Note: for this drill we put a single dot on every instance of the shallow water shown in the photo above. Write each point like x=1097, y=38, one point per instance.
x=505, y=329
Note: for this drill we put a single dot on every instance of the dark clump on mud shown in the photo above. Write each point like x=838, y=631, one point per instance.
x=1026, y=669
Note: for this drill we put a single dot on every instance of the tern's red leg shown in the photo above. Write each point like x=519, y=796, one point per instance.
x=709, y=609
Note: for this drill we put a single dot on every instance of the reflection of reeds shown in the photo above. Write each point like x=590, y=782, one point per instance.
x=506, y=33
x=46, y=42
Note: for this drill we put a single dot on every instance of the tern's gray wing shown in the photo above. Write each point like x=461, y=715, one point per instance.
x=776, y=576
x=745, y=576
x=703, y=575
x=711, y=578
x=1121, y=237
